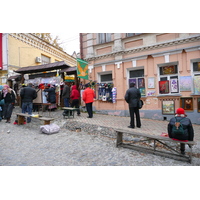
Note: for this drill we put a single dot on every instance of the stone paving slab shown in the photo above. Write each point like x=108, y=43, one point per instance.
x=24, y=145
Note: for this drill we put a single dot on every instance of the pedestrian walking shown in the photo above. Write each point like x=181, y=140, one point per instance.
x=28, y=94
x=9, y=99
x=181, y=119
x=132, y=97
x=88, y=98
x=75, y=95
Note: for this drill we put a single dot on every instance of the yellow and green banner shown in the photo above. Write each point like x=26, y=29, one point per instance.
x=82, y=69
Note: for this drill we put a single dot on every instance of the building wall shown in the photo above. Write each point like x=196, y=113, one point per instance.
x=21, y=50
x=143, y=51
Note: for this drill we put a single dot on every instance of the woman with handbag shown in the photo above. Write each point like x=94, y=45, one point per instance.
x=9, y=99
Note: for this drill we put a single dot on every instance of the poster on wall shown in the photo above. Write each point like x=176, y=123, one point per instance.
x=196, y=84
x=163, y=87
x=142, y=91
x=168, y=107
x=198, y=104
x=185, y=83
x=141, y=83
x=133, y=80
x=169, y=69
x=187, y=103
x=174, y=85
x=151, y=82
x=151, y=93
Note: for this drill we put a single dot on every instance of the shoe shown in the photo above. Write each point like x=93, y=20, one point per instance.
x=8, y=121
x=89, y=117
x=78, y=115
x=139, y=126
x=131, y=127
x=183, y=152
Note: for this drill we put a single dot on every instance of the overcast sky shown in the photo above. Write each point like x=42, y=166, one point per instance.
x=69, y=41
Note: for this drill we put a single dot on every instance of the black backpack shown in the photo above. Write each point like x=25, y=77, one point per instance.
x=177, y=128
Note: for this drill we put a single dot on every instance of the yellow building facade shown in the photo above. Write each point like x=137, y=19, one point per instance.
x=26, y=49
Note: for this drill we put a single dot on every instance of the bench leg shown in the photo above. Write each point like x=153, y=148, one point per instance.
x=119, y=138
x=46, y=122
x=20, y=120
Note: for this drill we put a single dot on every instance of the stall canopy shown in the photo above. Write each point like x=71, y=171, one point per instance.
x=45, y=67
x=70, y=71
x=16, y=77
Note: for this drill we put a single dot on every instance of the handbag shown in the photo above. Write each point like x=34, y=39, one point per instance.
x=140, y=104
x=2, y=102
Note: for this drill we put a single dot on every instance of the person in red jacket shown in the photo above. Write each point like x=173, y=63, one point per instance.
x=75, y=95
x=88, y=98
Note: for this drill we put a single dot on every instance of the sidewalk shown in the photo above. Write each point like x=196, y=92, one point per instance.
x=149, y=126
x=94, y=145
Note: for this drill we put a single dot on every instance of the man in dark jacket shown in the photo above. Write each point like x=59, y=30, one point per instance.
x=187, y=127
x=132, y=97
x=66, y=95
x=28, y=94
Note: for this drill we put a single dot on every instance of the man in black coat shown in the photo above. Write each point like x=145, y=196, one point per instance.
x=28, y=94
x=132, y=97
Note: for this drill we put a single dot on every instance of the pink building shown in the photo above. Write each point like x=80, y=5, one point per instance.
x=164, y=66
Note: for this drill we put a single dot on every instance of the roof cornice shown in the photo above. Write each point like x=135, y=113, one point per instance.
x=146, y=48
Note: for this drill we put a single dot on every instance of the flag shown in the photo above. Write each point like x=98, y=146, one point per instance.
x=82, y=69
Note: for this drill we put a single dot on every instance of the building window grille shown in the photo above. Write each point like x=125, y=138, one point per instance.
x=168, y=83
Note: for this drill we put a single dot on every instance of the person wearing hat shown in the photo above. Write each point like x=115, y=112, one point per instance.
x=187, y=127
x=88, y=98
x=9, y=97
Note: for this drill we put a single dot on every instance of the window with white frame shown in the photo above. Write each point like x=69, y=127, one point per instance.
x=104, y=37
x=196, y=75
x=132, y=34
x=168, y=79
x=105, y=86
x=137, y=77
x=45, y=59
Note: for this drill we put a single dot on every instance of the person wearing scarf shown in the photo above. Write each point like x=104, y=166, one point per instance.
x=9, y=97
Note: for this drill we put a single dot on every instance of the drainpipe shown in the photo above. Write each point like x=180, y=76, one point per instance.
x=81, y=45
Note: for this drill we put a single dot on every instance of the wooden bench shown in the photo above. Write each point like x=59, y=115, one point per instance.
x=21, y=118
x=164, y=141
x=69, y=109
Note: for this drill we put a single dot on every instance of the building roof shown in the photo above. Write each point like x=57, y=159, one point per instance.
x=42, y=68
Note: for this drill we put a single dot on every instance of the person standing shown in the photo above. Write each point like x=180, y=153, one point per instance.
x=9, y=99
x=51, y=96
x=181, y=117
x=88, y=98
x=28, y=94
x=66, y=95
x=75, y=95
x=132, y=97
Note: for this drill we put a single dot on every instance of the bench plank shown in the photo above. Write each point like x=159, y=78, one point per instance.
x=70, y=109
x=21, y=118
x=155, y=138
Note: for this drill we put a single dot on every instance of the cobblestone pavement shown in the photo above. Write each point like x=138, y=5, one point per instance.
x=25, y=145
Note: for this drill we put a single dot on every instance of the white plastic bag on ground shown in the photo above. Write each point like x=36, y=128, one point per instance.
x=50, y=128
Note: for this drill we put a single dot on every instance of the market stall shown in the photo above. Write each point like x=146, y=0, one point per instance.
x=43, y=75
